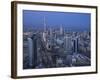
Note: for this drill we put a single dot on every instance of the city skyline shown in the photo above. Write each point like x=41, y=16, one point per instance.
x=69, y=20
x=49, y=42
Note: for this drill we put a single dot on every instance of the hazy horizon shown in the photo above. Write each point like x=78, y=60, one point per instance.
x=68, y=20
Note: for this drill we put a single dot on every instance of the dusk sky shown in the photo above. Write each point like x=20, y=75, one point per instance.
x=69, y=20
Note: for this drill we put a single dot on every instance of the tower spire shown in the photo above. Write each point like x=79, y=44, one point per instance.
x=44, y=25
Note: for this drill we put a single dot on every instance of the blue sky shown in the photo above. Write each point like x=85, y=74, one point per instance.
x=69, y=20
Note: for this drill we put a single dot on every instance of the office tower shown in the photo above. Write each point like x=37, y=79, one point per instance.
x=44, y=32
x=68, y=43
x=44, y=36
x=34, y=50
x=30, y=48
x=61, y=30
x=75, y=45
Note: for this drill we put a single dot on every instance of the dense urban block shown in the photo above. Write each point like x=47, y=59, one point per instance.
x=55, y=47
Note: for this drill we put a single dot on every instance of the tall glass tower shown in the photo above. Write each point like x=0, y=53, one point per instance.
x=75, y=45
x=30, y=48
x=34, y=50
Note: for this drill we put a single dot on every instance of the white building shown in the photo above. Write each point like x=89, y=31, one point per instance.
x=61, y=30
x=44, y=36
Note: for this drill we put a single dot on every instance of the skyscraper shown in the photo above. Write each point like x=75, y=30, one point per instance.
x=34, y=55
x=44, y=36
x=30, y=49
x=75, y=45
x=44, y=31
x=68, y=43
x=61, y=30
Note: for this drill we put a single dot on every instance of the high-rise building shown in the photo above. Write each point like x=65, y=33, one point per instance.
x=68, y=44
x=75, y=45
x=34, y=50
x=61, y=30
x=44, y=31
x=30, y=49
x=44, y=36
